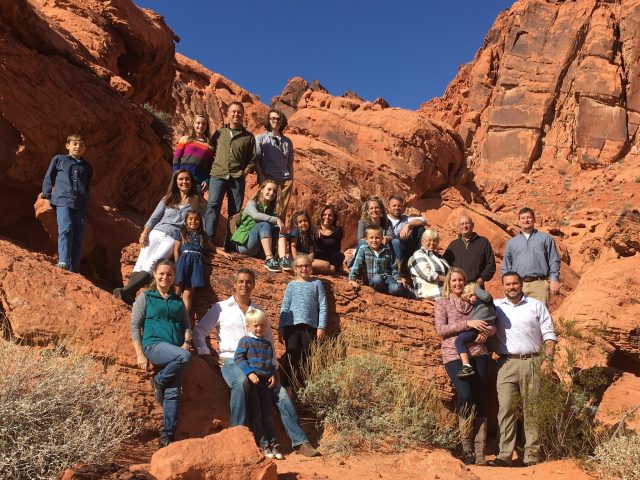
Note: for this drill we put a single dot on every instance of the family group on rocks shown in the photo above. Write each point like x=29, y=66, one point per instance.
x=396, y=254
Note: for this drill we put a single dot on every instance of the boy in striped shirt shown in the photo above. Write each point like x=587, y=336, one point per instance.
x=254, y=355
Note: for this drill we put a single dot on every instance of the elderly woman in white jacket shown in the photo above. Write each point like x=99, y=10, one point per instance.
x=427, y=267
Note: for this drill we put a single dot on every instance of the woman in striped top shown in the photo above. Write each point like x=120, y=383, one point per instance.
x=193, y=152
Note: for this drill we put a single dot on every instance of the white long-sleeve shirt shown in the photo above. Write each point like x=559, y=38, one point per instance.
x=230, y=324
x=523, y=327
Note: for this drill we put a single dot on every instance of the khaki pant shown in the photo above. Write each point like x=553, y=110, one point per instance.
x=538, y=289
x=515, y=376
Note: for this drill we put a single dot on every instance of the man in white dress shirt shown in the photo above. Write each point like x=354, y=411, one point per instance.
x=525, y=341
x=228, y=319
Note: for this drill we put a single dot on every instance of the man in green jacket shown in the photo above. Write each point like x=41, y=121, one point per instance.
x=235, y=156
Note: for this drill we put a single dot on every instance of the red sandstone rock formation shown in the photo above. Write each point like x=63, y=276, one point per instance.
x=228, y=455
x=198, y=90
x=554, y=82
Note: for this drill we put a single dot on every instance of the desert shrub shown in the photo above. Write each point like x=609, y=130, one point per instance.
x=619, y=458
x=369, y=404
x=161, y=124
x=57, y=409
x=564, y=412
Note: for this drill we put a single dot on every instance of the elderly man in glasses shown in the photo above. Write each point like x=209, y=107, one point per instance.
x=275, y=157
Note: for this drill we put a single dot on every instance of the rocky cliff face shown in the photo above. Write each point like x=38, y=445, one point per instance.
x=554, y=83
x=546, y=115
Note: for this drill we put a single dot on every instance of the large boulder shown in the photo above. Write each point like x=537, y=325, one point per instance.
x=228, y=455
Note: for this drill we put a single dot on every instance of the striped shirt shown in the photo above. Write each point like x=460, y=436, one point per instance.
x=370, y=263
x=254, y=355
x=195, y=157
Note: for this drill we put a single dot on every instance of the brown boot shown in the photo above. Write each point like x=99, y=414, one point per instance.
x=465, y=425
x=480, y=439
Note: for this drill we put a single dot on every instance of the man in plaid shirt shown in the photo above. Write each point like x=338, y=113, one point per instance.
x=377, y=264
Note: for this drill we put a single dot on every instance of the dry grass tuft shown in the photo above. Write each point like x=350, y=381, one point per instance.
x=57, y=409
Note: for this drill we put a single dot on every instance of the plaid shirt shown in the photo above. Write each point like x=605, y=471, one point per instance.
x=370, y=264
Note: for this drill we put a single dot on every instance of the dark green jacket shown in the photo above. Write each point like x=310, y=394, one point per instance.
x=232, y=154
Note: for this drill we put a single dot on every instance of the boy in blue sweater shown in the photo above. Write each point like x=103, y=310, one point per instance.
x=254, y=355
x=66, y=185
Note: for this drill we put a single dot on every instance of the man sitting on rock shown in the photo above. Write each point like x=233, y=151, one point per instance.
x=228, y=318
x=408, y=229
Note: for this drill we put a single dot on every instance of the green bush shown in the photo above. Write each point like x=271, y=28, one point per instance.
x=161, y=124
x=564, y=412
x=57, y=409
x=368, y=404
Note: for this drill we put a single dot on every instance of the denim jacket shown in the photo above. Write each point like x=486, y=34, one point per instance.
x=67, y=182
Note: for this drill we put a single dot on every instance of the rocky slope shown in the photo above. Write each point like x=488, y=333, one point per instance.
x=545, y=115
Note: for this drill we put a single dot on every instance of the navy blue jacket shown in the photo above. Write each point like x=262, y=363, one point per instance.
x=67, y=182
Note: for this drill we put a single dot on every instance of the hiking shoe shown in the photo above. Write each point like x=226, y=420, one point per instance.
x=307, y=450
x=285, y=264
x=465, y=371
x=498, y=462
x=164, y=441
x=276, y=452
x=158, y=391
x=272, y=265
x=266, y=451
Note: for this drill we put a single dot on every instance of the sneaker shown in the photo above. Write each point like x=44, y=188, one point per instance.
x=158, y=391
x=266, y=451
x=499, y=462
x=285, y=264
x=164, y=441
x=275, y=452
x=307, y=450
x=62, y=265
x=465, y=371
x=272, y=265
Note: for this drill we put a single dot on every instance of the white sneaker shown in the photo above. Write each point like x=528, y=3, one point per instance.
x=275, y=452
x=268, y=453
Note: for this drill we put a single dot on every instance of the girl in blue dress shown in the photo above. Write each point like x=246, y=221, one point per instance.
x=189, y=254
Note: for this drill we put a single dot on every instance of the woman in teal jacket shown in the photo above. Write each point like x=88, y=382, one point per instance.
x=161, y=334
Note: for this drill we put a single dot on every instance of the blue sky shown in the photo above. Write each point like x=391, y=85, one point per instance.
x=405, y=51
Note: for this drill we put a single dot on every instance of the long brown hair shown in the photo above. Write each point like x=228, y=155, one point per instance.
x=320, y=211
x=158, y=264
x=257, y=197
x=364, y=212
x=172, y=197
x=191, y=131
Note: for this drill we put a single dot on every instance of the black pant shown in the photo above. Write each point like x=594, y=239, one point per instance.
x=471, y=391
x=298, y=340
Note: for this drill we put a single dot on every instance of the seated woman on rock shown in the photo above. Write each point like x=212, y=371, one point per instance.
x=261, y=228
x=427, y=267
x=161, y=334
x=452, y=316
x=162, y=230
x=374, y=213
x=329, y=241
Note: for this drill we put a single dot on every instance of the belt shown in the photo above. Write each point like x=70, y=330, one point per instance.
x=533, y=279
x=192, y=251
x=520, y=356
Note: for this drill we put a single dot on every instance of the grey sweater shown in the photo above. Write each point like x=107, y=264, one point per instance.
x=484, y=309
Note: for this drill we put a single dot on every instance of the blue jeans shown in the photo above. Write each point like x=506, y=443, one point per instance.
x=463, y=339
x=259, y=231
x=172, y=361
x=260, y=409
x=471, y=392
x=239, y=385
x=70, y=231
x=218, y=187
x=388, y=284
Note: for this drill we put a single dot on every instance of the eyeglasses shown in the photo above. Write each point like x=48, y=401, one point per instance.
x=306, y=265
